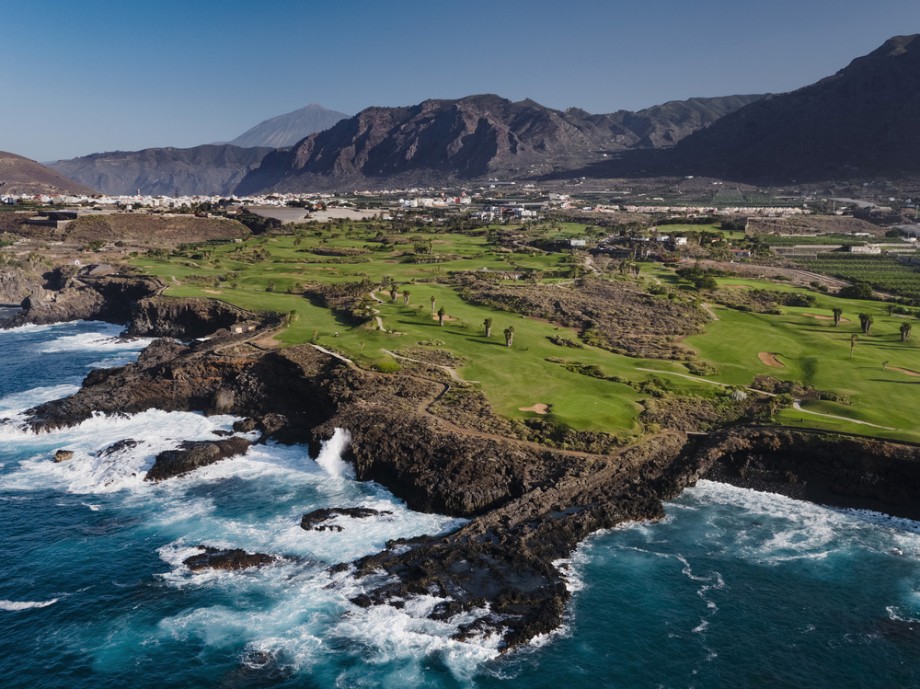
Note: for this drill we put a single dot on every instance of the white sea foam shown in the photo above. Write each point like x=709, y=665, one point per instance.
x=19, y=402
x=330, y=457
x=93, y=471
x=95, y=342
x=787, y=530
x=31, y=328
x=18, y=605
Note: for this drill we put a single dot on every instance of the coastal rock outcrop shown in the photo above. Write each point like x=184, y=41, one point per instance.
x=528, y=505
x=193, y=455
x=185, y=318
x=282, y=391
x=831, y=469
x=317, y=520
x=108, y=298
x=228, y=559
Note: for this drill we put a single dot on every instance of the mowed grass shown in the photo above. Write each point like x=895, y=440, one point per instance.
x=511, y=378
x=812, y=350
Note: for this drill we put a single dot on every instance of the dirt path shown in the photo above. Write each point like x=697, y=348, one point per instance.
x=798, y=407
x=336, y=355
x=708, y=308
x=796, y=404
x=449, y=370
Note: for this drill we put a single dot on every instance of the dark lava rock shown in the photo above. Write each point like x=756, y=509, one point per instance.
x=246, y=425
x=118, y=447
x=314, y=521
x=258, y=669
x=231, y=559
x=194, y=454
x=63, y=455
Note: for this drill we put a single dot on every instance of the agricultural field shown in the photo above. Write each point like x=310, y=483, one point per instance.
x=884, y=273
x=402, y=281
x=824, y=239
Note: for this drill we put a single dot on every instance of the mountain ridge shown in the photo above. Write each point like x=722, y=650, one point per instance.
x=21, y=175
x=206, y=169
x=471, y=137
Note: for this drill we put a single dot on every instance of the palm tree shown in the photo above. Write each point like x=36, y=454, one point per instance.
x=441, y=314
x=852, y=344
x=434, y=301
x=405, y=297
x=865, y=322
x=393, y=293
x=905, y=331
x=487, y=325
x=509, y=335
x=838, y=313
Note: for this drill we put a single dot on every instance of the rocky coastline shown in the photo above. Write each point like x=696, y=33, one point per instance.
x=528, y=506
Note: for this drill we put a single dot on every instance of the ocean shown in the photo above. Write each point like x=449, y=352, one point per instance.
x=732, y=589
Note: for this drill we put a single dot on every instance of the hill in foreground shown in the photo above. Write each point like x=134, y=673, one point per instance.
x=19, y=175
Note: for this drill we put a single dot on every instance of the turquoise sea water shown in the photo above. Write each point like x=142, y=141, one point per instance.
x=733, y=589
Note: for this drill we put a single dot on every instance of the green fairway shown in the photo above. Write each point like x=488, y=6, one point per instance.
x=271, y=273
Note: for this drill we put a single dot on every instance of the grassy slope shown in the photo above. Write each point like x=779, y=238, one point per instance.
x=813, y=350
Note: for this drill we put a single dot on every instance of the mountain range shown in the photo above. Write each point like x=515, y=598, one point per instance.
x=860, y=121
x=442, y=140
x=208, y=169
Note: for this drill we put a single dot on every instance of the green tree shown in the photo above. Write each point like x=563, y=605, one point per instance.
x=393, y=293
x=487, y=325
x=865, y=322
x=405, y=297
x=905, y=331
x=441, y=314
x=509, y=335
x=838, y=314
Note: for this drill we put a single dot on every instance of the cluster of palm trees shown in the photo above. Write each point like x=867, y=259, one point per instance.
x=866, y=321
x=441, y=313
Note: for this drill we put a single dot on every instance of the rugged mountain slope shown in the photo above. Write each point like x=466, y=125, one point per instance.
x=665, y=125
x=20, y=175
x=287, y=130
x=863, y=119
x=475, y=136
x=210, y=169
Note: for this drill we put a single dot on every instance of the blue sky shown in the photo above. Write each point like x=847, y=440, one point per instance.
x=96, y=75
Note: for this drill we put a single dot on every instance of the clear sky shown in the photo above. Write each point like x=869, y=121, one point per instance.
x=83, y=76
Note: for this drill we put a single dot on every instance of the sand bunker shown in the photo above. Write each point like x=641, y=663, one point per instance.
x=770, y=360
x=446, y=318
x=905, y=371
x=538, y=408
x=822, y=317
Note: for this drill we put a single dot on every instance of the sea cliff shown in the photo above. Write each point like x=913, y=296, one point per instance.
x=529, y=506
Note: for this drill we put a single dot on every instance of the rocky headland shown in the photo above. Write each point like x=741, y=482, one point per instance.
x=528, y=505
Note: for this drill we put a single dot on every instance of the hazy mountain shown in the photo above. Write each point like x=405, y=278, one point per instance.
x=476, y=136
x=863, y=119
x=287, y=130
x=209, y=169
x=20, y=175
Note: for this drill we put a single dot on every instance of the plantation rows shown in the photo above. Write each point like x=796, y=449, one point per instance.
x=884, y=273
x=841, y=239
